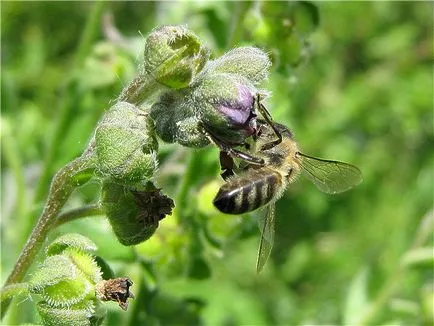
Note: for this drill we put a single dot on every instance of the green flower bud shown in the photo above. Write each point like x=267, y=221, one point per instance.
x=134, y=214
x=67, y=279
x=125, y=144
x=66, y=282
x=224, y=103
x=176, y=121
x=69, y=282
x=249, y=62
x=174, y=56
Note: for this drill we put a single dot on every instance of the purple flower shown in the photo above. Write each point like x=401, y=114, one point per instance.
x=238, y=112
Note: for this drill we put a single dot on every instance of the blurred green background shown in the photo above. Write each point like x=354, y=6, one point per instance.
x=354, y=82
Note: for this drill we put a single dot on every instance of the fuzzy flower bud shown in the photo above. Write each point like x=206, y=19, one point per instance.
x=125, y=144
x=66, y=281
x=174, y=56
x=70, y=284
x=221, y=99
x=176, y=120
x=134, y=214
x=249, y=62
x=226, y=105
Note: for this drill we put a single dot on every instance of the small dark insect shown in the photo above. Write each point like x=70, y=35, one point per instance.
x=261, y=185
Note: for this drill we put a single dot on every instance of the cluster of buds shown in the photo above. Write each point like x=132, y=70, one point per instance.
x=71, y=285
x=194, y=96
x=219, y=98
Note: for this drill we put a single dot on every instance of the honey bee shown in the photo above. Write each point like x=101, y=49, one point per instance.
x=261, y=185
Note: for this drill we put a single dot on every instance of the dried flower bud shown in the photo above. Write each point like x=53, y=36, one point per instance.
x=174, y=56
x=125, y=144
x=117, y=290
x=134, y=214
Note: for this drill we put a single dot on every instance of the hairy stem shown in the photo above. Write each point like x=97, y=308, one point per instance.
x=70, y=98
x=64, y=182
x=76, y=213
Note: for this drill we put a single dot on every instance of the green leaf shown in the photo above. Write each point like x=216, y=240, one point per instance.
x=419, y=257
x=357, y=298
x=14, y=289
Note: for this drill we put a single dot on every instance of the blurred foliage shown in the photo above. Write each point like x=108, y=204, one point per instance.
x=353, y=80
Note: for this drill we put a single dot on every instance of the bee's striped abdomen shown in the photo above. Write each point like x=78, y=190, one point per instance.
x=248, y=192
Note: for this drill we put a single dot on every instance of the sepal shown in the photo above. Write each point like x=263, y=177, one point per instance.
x=134, y=214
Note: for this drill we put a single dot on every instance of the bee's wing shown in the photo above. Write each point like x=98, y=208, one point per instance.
x=267, y=238
x=330, y=176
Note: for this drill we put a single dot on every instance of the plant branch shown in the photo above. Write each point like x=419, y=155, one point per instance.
x=64, y=182
x=77, y=213
x=70, y=98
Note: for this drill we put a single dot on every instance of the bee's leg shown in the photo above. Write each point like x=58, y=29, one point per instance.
x=267, y=116
x=232, y=152
x=227, y=165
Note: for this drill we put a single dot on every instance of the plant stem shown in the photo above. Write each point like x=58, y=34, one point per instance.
x=74, y=214
x=64, y=182
x=70, y=100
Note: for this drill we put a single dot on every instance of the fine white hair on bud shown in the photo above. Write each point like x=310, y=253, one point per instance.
x=249, y=62
x=174, y=55
x=126, y=145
